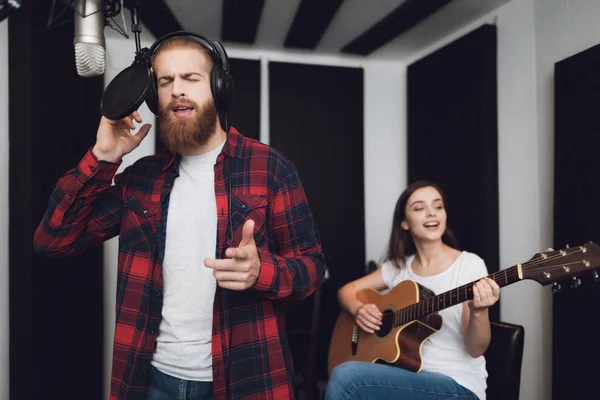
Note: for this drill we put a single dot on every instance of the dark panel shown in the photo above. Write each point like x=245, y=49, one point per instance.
x=244, y=113
x=55, y=305
x=316, y=119
x=8, y=7
x=240, y=20
x=403, y=18
x=156, y=16
x=311, y=22
x=576, y=217
x=452, y=137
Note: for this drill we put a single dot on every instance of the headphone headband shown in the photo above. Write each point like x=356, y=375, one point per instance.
x=219, y=56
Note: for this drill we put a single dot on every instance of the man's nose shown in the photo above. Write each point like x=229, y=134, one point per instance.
x=178, y=88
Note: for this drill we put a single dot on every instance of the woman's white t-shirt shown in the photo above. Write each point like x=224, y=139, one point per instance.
x=445, y=352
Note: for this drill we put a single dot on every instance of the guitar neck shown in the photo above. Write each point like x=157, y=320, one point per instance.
x=452, y=297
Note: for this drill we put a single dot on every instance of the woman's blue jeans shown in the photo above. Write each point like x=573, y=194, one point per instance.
x=356, y=380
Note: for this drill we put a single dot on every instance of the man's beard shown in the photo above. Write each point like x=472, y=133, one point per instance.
x=181, y=134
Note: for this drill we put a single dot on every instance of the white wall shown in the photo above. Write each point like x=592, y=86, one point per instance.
x=120, y=53
x=521, y=197
x=385, y=151
x=4, y=306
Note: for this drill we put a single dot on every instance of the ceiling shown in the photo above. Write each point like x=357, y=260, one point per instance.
x=377, y=29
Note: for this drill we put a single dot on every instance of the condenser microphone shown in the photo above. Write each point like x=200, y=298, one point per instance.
x=89, y=38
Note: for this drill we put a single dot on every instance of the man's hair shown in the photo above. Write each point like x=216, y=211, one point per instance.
x=182, y=41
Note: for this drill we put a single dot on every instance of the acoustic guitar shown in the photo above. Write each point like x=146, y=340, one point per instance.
x=410, y=311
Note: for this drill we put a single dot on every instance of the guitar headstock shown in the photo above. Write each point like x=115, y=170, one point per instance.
x=557, y=265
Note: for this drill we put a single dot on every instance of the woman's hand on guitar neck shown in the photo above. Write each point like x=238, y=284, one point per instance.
x=368, y=317
x=486, y=293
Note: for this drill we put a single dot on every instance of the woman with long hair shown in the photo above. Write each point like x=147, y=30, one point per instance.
x=423, y=249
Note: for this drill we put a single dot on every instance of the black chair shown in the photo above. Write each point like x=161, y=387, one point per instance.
x=504, y=357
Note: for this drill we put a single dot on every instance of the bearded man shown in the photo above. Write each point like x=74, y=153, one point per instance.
x=215, y=237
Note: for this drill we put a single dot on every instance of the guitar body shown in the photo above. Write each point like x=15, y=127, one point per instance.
x=399, y=346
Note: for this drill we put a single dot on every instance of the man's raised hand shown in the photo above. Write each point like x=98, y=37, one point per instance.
x=115, y=139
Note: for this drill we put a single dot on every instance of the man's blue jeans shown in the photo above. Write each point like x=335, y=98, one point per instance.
x=356, y=380
x=165, y=387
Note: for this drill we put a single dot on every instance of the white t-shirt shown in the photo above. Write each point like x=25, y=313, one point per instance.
x=183, y=346
x=444, y=352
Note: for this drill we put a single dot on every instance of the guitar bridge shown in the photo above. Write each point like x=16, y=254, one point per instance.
x=354, y=339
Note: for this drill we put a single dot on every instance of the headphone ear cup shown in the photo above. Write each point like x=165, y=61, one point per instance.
x=223, y=81
x=227, y=91
x=221, y=84
x=215, y=86
x=152, y=95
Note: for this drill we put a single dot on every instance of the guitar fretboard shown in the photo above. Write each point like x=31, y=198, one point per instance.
x=450, y=298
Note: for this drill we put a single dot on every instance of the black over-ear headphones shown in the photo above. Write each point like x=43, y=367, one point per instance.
x=137, y=83
x=221, y=81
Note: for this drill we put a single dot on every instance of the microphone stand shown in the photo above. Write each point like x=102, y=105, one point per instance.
x=136, y=28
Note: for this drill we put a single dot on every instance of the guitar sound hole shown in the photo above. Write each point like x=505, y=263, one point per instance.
x=387, y=323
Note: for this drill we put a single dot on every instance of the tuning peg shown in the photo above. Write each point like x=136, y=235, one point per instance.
x=575, y=282
x=549, y=249
x=556, y=287
x=567, y=246
x=595, y=276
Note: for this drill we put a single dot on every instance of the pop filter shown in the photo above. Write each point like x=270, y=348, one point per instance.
x=126, y=92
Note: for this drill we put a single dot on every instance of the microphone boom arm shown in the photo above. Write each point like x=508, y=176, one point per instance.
x=136, y=27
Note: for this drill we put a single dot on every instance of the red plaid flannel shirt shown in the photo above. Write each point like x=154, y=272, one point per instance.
x=251, y=356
